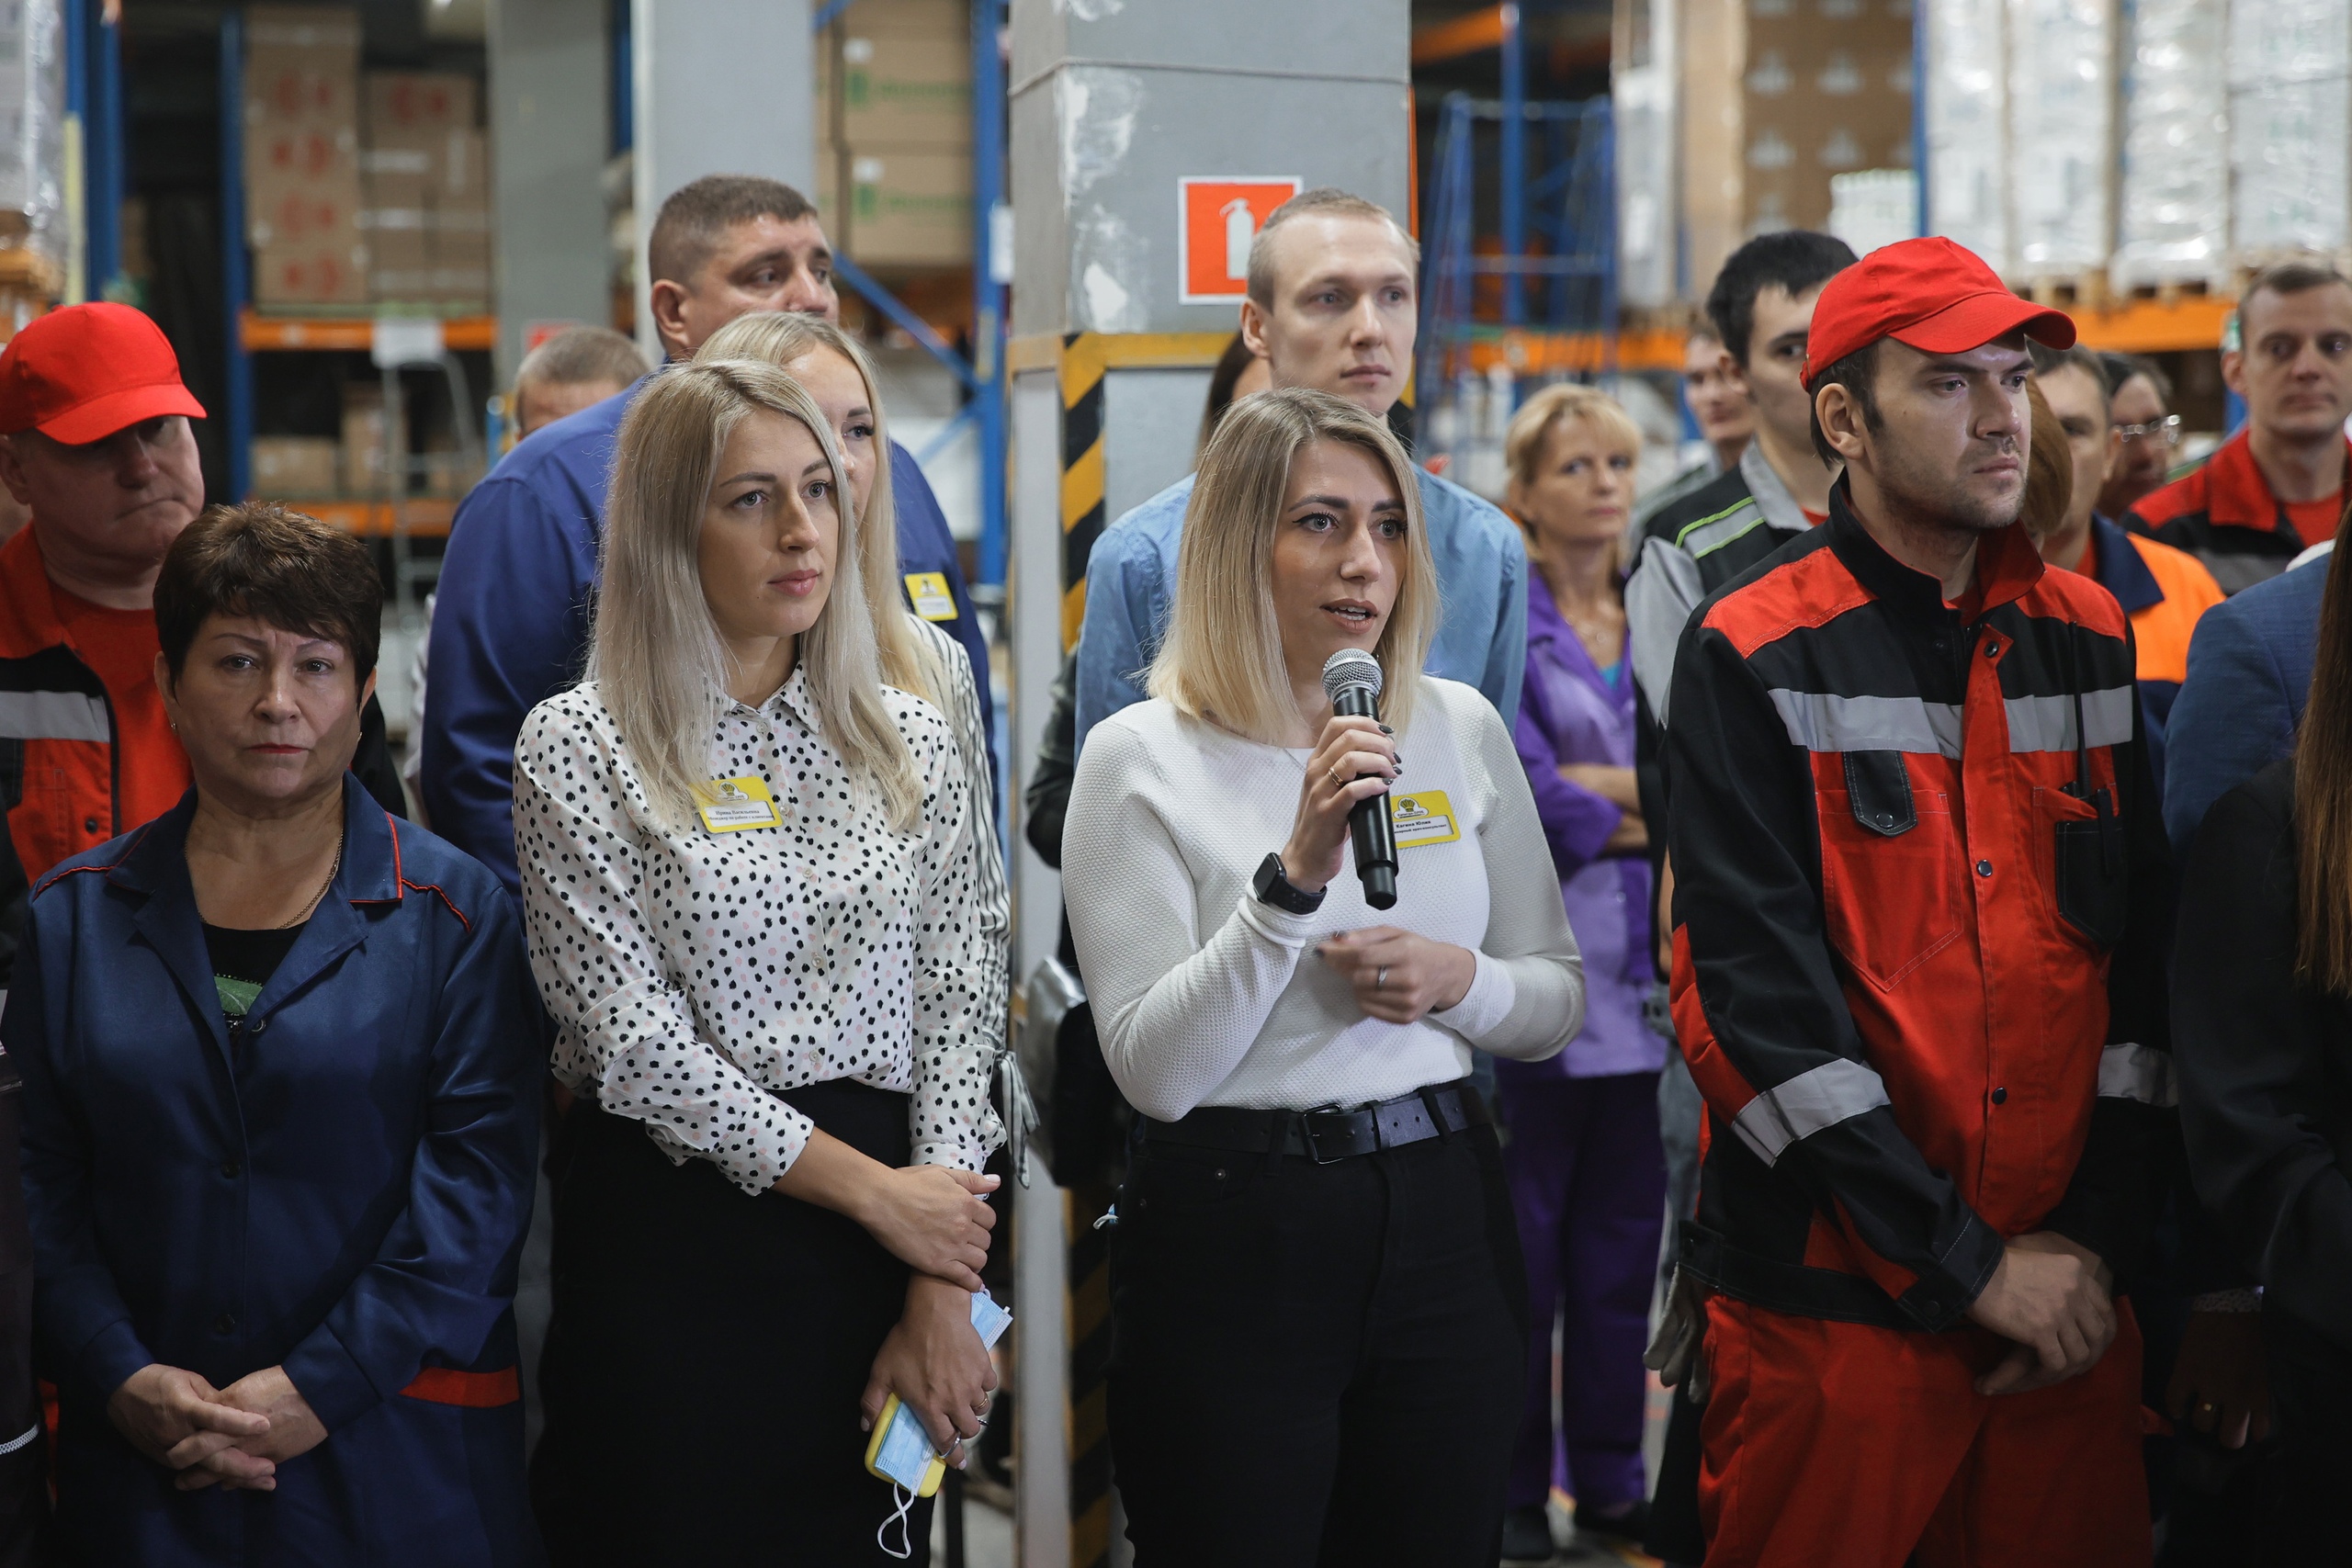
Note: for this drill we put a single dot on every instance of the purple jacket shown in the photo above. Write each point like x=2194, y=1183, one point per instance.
x=1570, y=712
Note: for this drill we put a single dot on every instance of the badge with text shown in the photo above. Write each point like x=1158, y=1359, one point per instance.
x=730, y=806
x=1424, y=819
x=928, y=593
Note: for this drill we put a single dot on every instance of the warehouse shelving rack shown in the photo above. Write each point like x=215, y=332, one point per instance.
x=982, y=373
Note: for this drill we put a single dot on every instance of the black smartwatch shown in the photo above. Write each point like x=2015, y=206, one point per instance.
x=1272, y=887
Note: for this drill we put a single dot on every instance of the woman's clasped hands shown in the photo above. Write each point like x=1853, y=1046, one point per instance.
x=235, y=1437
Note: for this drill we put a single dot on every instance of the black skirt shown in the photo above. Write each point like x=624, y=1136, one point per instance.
x=706, y=1354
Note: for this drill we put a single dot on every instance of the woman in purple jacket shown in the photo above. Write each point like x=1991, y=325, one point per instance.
x=1588, y=1174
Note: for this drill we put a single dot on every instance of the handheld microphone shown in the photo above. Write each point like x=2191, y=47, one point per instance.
x=1351, y=679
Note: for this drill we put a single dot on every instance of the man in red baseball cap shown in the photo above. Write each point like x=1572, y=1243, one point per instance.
x=1917, y=976
x=95, y=441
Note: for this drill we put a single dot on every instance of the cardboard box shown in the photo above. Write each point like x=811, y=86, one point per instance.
x=1775, y=98
x=286, y=466
x=909, y=208
x=408, y=107
x=908, y=18
x=905, y=91
x=301, y=66
x=323, y=272
x=1825, y=92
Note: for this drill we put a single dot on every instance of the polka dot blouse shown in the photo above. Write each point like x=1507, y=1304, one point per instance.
x=693, y=975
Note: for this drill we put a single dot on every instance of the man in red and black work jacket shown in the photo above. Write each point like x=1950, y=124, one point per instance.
x=1916, y=975
x=95, y=441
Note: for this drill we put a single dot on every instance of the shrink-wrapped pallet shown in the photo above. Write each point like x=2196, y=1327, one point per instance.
x=2062, y=136
x=2172, y=225
x=34, y=241
x=1967, y=133
x=2290, y=121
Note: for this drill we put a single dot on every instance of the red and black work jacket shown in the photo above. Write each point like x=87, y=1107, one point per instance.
x=1919, y=899
x=2224, y=514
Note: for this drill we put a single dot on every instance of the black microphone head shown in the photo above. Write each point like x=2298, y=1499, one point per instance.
x=1351, y=667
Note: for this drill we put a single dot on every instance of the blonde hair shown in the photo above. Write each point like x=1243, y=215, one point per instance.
x=1222, y=659
x=1531, y=427
x=656, y=655
x=909, y=661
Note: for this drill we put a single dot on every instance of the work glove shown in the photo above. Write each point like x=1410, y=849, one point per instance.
x=1677, y=1352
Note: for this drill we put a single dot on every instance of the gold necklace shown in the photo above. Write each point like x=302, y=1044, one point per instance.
x=317, y=898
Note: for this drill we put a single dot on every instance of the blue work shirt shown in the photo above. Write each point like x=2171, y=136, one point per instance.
x=510, y=621
x=1481, y=574
x=338, y=1185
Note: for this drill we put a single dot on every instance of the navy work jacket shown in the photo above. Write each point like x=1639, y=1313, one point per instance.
x=339, y=1184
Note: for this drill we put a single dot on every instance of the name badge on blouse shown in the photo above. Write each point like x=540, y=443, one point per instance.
x=1424, y=819
x=730, y=806
x=928, y=593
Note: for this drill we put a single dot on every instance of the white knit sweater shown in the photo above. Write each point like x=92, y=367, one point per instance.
x=1204, y=996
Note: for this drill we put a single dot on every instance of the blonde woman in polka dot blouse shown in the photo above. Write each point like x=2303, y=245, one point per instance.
x=749, y=872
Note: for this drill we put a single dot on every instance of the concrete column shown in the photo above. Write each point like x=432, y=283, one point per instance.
x=549, y=125
x=722, y=87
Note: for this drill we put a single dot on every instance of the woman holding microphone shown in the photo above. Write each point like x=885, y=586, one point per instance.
x=748, y=872
x=1319, y=1316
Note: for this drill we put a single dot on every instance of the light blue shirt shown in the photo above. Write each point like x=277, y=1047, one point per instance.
x=1481, y=571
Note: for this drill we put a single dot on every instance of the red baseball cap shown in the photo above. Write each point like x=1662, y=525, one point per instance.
x=1935, y=296
x=80, y=373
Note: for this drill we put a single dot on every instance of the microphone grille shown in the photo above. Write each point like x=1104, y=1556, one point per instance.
x=1351, y=667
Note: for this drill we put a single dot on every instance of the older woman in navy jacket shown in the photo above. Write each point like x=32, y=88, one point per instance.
x=281, y=1058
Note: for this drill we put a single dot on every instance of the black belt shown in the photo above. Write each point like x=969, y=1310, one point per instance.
x=1330, y=1134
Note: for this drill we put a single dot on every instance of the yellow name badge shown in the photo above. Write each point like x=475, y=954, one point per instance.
x=1424, y=819
x=730, y=806
x=928, y=593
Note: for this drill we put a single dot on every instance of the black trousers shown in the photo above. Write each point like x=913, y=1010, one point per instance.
x=1317, y=1364
x=707, y=1353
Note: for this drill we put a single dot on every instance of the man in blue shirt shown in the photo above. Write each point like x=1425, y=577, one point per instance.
x=1330, y=305
x=510, y=627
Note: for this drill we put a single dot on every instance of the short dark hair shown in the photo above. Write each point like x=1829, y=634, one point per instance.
x=2049, y=361
x=697, y=216
x=1858, y=373
x=2289, y=278
x=1795, y=259
x=1222, y=381
x=2121, y=367
x=279, y=566
x=581, y=356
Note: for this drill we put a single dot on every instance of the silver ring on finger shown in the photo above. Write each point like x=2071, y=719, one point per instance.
x=1380, y=978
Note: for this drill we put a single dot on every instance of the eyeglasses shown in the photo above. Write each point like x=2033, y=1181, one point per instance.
x=2165, y=431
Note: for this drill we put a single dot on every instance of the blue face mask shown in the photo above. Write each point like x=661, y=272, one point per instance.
x=904, y=1454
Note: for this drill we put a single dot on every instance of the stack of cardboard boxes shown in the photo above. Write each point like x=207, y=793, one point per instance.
x=427, y=217
x=302, y=156
x=360, y=190
x=894, y=132
x=1777, y=97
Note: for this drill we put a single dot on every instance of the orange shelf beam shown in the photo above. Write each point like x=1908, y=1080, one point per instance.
x=2154, y=326
x=350, y=333
x=1463, y=35
x=1536, y=352
x=428, y=515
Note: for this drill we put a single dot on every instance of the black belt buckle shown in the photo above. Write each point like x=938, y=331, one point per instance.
x=1306, y=1135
